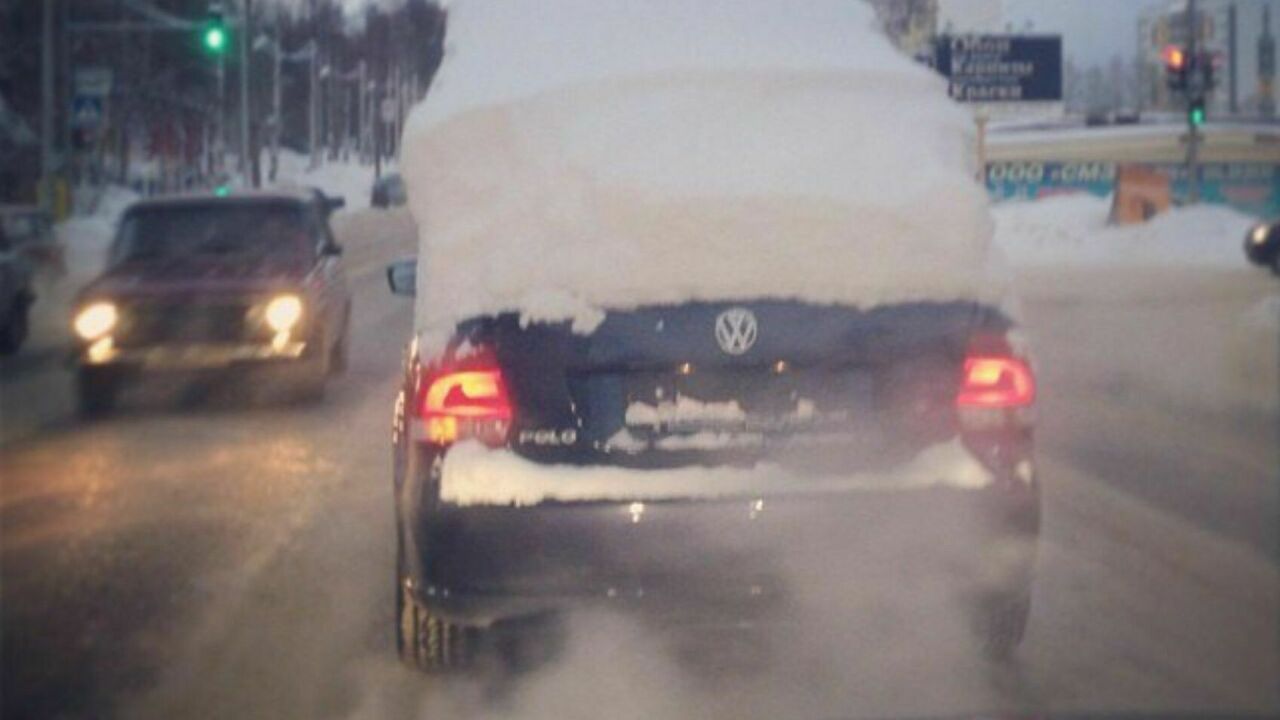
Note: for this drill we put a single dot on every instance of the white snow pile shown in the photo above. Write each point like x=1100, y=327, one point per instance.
x=346, y=179
x=1072, y=230
x=580, y=155
x=476, y=475
x=88, y=237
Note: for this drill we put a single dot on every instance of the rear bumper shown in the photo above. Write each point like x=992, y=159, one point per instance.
x=729, y=557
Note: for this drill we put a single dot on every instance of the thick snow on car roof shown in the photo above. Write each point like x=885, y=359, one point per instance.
x=579, y=155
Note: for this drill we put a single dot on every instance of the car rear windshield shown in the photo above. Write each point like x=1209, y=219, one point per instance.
x=241, y=231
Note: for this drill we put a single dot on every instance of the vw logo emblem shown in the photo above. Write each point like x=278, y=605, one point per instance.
x=736, y=330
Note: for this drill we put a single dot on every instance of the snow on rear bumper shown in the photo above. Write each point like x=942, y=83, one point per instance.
x=473, y=475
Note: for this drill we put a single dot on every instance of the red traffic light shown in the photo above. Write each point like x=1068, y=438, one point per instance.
x=1175, y=58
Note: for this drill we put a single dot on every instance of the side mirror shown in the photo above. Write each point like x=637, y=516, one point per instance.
x=334, y=203
x=402, y=277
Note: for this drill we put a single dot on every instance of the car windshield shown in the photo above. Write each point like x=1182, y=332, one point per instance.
x=243, y=231
x=649, y=359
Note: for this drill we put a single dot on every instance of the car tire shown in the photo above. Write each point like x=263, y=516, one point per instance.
x=340, y=354
x=424, y=641
x=1002, y=622
x=14, y=331
x=309, y=388
x=96, y=392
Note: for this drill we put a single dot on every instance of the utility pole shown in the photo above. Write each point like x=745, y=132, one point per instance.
x=362, y=143
x=1197, y=91
x=377, y=133
x=1233, y=105
x=46, y=108
x=245, y=165
x=313, y=125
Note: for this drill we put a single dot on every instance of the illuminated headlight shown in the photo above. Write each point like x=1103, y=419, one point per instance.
x=283, y=312
x=96, y=320
x=1259, y=234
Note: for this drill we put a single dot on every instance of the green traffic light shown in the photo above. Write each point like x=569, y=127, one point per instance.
x=1197, y=116
x=215, y=39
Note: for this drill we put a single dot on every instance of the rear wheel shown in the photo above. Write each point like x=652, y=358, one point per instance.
x=425, y=641
x=340, y=355
x=96, y=391
x=313, y=374
x=1002, y=622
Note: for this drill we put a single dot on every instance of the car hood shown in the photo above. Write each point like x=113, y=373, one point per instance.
x=199, y=276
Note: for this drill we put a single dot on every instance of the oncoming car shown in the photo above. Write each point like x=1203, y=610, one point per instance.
x=16, y=295
x=30, y=233
x=210, y=286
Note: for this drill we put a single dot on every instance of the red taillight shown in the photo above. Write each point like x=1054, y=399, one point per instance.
x=996, y=382
x=470, y=403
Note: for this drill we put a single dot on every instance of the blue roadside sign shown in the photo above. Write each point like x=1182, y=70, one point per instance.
x=86, y=111
x=1001, y=68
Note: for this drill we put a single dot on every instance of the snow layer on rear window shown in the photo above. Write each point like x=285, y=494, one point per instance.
x=476, y=475
x=580, y=155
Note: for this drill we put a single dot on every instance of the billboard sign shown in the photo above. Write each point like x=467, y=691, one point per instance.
x=1253, y=188
x=1001, y=68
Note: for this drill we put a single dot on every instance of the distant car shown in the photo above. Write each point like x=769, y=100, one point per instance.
x=1127, y=117
x=1262, y=246
x=388, y=191
x=16, y=295
x=30, y=232
x=811, y=387
x=215, y=285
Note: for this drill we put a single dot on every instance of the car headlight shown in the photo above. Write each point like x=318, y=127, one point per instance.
x=1259, y=234
x=283, y=312
x=96, y=320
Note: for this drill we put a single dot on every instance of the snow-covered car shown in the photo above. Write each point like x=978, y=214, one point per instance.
x=690, y=312
x=1262, y=246
x=16, y=295
x=207, y=286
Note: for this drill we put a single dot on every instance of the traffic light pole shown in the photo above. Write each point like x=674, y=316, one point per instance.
x=220, y=137
x=1197, y=90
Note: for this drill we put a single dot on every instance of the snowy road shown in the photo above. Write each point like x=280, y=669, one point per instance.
x=235, y=562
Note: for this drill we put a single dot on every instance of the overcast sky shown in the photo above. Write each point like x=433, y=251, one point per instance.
x=1092, y=30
